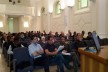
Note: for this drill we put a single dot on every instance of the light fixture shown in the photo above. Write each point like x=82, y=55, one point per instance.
x=39, y=13
x=50, y=6
x=1, y=24
x=70, y=3
x=11, y=18
x=50, y=10
x=15, y=1
x=26, y=24
x=63, y=4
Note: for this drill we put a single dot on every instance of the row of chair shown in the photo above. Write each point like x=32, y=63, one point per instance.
x=22, y=61
x=21, y=56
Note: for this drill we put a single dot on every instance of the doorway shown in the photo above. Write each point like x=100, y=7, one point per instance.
x=11, y=25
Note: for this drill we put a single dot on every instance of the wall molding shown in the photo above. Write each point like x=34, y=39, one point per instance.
x=102, y=35
x=16, y=10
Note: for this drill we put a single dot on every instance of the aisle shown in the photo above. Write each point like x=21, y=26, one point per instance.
x=3, y=65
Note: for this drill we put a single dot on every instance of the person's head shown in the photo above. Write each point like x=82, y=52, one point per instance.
x=56, y=33
x=51, y=33
x=74, y=33
x=22, y=35
x=16, y=40
x=79, y=36
x=94, y=32
x=89, y=33
x=34, y=39
x=50, y=40
x=12, y=38
x=63, y=39
x=83, y=32
x=62, y=33
x=43, y=38
x=69, y=31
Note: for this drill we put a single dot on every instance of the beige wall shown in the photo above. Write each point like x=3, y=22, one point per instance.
x=107, y=18
x=21, y=23
x=3, y=18
x=16, y=24
x=71, y=19
x=34, y=21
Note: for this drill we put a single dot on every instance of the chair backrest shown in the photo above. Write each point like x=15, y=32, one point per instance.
x=21, y=54
x=105, y=41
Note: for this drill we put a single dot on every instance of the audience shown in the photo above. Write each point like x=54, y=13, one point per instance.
x=44, y=48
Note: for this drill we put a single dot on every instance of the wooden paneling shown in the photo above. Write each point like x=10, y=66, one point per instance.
x=94, y=62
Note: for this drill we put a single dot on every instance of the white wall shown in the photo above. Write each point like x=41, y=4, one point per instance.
x=70, y=19
x=107, y=18
x=101, y=17
x=3, y=18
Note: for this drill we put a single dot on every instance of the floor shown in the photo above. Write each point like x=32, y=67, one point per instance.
x=3, y=65
x=5, y=68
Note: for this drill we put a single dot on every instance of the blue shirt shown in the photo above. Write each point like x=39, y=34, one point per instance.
x=34, y=48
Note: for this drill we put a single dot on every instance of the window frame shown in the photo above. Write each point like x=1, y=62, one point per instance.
x=79, y=5
x=57, y=4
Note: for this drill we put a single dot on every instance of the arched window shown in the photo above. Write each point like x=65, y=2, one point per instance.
x=82, y=4
x=57, y=8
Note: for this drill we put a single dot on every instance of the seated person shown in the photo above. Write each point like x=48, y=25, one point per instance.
x=5, y=44
x=83, y=35
x=53, y=56
x=69, y=36
x=74, y=36
x=79, y=41
x=11, y=45
x=56, y=34
x=89, y=37
x=14, y=43
x=43, y=41
x=69, y=55
x=36, y=52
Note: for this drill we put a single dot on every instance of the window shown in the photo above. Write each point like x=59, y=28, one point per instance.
x=82, y=4
x=1, y=24
x=57, y=7
x=26, y=24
